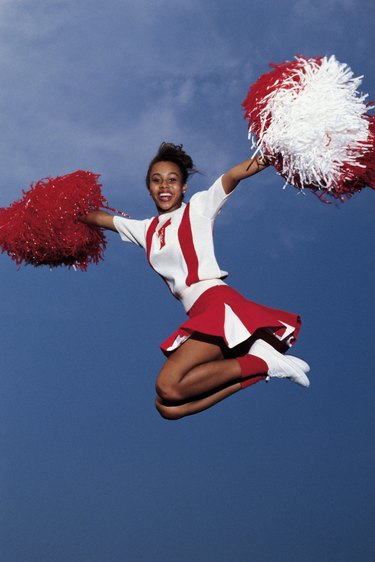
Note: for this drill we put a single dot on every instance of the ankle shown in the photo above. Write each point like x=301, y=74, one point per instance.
x=251, y=365
x=245, y=383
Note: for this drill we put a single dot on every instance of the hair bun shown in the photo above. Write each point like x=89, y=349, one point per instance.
x=170, y=152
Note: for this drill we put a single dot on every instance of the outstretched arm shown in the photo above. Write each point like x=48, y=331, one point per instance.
x=101, y=219
x=244, y=170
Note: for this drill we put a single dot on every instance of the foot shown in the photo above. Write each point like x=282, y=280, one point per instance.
x=281, y=366
x=300, y=363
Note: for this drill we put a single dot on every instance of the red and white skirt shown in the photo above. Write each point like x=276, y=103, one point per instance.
x=223, y=312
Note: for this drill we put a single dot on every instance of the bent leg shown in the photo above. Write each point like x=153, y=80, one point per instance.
x=197, y=376
x=177, y=411
x=195, y=368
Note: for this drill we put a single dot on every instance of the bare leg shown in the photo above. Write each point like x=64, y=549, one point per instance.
x=195, y=377
x=177, y=411
x=195, y=368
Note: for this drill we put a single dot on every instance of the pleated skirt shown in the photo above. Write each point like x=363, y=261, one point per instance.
x=224, y=313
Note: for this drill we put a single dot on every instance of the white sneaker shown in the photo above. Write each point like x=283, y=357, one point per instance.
x=281, y=366
x=300, y=362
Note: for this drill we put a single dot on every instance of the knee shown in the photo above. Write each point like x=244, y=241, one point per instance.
x=168, y=391
x=167, y=412
x=168, y=387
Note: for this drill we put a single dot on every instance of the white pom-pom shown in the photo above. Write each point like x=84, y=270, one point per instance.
x=309, y=117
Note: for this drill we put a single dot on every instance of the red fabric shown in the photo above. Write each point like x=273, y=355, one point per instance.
x=251, y=380
x=252, y=365
x=43, y=227
x=185, y=237
x=207, y=316
x=161, y=233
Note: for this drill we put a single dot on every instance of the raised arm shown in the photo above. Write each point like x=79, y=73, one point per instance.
x=242, y=171
x=101, y=219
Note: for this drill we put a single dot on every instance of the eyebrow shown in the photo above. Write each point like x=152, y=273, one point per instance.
x=169, y=174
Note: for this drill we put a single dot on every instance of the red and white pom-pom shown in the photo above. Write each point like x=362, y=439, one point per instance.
x=310, y=120
x=43, y=227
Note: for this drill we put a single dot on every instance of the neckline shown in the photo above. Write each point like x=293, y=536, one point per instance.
x=169, y=213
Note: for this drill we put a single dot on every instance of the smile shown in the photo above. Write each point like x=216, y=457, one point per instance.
x=164, y=196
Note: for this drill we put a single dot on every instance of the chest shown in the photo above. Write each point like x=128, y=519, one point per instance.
x=165, y=231
x=179, y=237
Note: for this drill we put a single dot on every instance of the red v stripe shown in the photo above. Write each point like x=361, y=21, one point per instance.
x=161, y=232
x=149, y=235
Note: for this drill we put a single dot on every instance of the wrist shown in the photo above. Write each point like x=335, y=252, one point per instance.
x=263, y=160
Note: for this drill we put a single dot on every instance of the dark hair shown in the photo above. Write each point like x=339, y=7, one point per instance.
x=169, y=152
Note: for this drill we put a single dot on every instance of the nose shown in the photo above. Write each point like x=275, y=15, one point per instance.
x=165, y=183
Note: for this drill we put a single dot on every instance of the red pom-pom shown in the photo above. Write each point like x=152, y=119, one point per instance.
x=44, y=226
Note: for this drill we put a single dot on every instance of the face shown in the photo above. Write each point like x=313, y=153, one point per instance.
x=166, y=186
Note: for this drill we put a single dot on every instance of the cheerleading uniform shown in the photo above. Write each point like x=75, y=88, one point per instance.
x=179, y=247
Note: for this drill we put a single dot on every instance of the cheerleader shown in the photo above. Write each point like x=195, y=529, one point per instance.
x=227, y=343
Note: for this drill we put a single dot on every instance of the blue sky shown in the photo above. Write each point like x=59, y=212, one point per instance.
x=88, y=471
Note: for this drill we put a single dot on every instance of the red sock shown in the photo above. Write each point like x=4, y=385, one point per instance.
x=252, y=369
x=252, y=365
x=245, y=383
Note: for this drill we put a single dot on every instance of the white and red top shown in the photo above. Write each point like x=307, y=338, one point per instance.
x=179, y=245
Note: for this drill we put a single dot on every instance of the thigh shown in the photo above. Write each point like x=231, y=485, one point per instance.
x=193, y=352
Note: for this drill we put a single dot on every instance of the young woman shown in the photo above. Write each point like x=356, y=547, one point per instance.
x=228, y=343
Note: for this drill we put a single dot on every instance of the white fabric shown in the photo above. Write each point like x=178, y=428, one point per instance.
x=166, y=256
x=177, y=342
x=234, y=329
x=191, y=294
x=132, y=230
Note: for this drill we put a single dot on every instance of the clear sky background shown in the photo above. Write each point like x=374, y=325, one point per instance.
x=89, y=472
